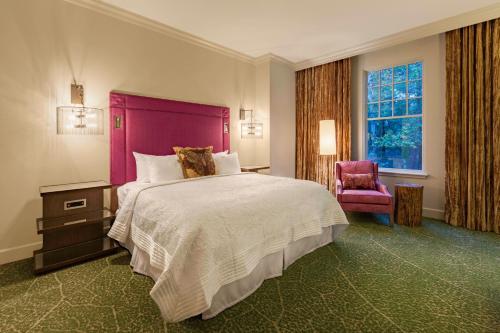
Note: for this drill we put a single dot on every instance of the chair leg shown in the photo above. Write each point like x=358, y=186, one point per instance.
x=391, y=219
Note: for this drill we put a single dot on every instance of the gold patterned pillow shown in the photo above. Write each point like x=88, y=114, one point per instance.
x=196, y=162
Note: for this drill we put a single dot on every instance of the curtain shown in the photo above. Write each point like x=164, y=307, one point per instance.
x=322, y=92
x=473, y=127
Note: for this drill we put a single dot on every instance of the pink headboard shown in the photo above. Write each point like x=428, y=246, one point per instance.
x=153, y=126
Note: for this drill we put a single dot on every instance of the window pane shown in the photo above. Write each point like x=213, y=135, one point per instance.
x=415, y=89
x=400, y=107
x=373, y=94
x=415, y=106
x=385, y=93
x=386, y=76
x=396, y=143
x=373, y=78
x=373, y=110
x=415, y=71
x=400, y=90
x=386, y=109
x=400, y=73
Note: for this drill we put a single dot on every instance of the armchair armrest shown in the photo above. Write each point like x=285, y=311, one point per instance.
x=383, y=188
x=339, y=188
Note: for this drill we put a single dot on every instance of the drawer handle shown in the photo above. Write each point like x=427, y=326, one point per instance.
x=75, y=204
x=76, y=222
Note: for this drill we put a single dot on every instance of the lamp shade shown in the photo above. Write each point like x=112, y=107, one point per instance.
x=327, y=140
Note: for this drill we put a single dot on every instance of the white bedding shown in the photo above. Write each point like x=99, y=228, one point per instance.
x=205, y=233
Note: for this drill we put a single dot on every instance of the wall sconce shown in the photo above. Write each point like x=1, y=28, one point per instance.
x=243, y=113
x=77, y=118
x=251, y=130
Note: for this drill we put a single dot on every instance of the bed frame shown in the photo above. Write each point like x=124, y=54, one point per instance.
x=153, y=126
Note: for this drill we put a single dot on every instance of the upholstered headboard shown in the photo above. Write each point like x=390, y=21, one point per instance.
x=153, y=126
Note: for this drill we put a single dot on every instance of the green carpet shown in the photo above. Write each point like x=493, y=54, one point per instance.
x=433, y=278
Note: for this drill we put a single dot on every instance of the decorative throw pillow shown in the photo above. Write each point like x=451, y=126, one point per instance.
x=358, y=181
x=196, y=162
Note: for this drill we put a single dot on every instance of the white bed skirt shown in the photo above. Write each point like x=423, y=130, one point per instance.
x=269, y=267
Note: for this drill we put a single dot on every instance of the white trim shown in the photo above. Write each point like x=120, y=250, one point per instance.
x=18, y=252
x=390, y=171
x=164, y=29
x=455, y=22
x=433, y=213
x=268, y=57
x=403, y=173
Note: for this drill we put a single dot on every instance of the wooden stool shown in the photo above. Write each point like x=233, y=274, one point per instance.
x=408, y=208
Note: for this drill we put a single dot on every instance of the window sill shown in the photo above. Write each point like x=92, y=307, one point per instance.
x=403, y=173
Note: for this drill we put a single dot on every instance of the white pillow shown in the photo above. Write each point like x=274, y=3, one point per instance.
x=164, y=168
x=227, y=164
x=142, y=167
x=225, y=152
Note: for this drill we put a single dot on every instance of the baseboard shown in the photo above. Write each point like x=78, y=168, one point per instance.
x=18, y=252
x=432, y=213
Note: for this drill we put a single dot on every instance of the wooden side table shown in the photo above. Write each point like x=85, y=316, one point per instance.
x=408, y=207
x=254, y=168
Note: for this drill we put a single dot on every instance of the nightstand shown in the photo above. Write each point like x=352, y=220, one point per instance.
x=74, y=225
x=254, y=168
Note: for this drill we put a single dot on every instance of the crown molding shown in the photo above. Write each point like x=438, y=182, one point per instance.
x=144, y=22
x=455, y=22
x=268, y=57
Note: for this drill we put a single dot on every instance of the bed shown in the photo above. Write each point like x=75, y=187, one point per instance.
x=207, y=242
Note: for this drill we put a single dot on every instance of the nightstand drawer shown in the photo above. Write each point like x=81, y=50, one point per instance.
x=44, y=225
x=49, y=260
x=84, y=232
x=72, y=202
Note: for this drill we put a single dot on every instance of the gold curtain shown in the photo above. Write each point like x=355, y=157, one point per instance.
x=473, y=127
x=322, y=92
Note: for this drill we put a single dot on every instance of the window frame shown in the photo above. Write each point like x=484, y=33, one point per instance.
x=407, y=173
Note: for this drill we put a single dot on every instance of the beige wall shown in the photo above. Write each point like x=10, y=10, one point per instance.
x=275, y=108
x=44, y=46
x=261, y=112
x=282, y=114
x=431, y=51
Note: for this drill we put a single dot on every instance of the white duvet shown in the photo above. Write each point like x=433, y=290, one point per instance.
x=207, y=232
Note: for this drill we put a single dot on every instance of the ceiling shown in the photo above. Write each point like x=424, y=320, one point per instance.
x=296, y=30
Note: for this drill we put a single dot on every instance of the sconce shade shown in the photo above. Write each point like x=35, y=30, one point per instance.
x=327, y=140
x=79, y=120
x=251, y=130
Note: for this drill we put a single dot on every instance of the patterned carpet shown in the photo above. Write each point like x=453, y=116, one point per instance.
x=434, y=278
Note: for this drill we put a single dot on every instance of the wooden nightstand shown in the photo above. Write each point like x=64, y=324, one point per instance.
x=74, y=225
x=254, y=168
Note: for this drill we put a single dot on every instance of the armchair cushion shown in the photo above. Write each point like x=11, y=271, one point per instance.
x=365, y=197
x=354, y=167
x=358, y=181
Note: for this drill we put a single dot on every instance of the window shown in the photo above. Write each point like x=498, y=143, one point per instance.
x=394, y=112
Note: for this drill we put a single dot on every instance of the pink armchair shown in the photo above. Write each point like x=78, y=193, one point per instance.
x=362, y=200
